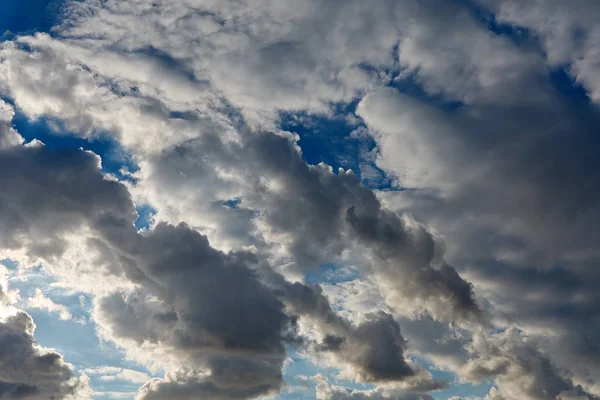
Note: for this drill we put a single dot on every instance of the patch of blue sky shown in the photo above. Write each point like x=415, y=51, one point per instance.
x=146, y=215
x=27, y=283
x=332, y=274
x=9, y=264
x=325, y=139
x=463, y=390
x=115, y=159
x=518, y=34
x=19, y=17
x=231, y=203
x=408, y=84
x=339, y=141
x=568, y=87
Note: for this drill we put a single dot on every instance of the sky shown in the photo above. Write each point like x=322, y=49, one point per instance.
x=299, y=199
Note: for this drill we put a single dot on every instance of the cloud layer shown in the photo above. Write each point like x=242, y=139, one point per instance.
x=475, y=254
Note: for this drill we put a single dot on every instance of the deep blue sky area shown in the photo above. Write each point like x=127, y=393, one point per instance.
x=114, y=157
x=326, y=140
x=330, y=141
x=25, y=16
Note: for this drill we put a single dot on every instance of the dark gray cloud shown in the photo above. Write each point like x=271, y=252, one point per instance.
x=383, y=360
x=373, y=350
x=74, y=195
x=316, y=215
x=178, y=264
x=231, y=377
x=323, y=213
x=28, y=371
x=209, y=310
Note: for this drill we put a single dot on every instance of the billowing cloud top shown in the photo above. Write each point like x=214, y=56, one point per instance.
x=330, y=199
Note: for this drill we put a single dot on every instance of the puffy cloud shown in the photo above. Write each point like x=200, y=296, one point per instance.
x=569, y=35
x=208, y=311
x=186, y=287
x=369, y=351
x=521, y=368
x=75, y=195
x=8, y=136
x=502, y=204
x=335, y=213
x=39, y=300
x=496, y=205
x=30, y=371
x=194, y=285
x=325, y=391
x=205, y=309
x=307, y=215
x=8, y=297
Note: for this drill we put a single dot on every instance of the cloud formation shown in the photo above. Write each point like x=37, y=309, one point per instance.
x=29, y=371
x=479, y=257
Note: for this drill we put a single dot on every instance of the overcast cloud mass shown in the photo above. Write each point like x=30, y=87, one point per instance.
x=300, y=199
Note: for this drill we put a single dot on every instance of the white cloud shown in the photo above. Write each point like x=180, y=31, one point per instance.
x=39, y=300
x=111, y=374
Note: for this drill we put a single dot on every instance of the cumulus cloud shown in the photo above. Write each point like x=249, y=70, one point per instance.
x=569, y=35
x=521, y=368
x=208, y=310
x=30, y=371
x=39, y=300
x=497, y=205
x=482, y=260
x=75, y=195
x=8, y=136
x=369, y=351
x=187, y=288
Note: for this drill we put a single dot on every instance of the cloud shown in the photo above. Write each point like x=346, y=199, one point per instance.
x=75, y=195
x=518, y=251
x=568, y=36
x=30, y=371
x=325, y=391
x=8, y=297
x=8, y=136
x=490, y=231
x=42, y=302
x=522, y=370
x=110, y=374
x=170, y=263
x=369, y=351
x=168, y=311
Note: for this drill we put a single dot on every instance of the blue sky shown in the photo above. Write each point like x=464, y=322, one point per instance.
x=28, y=15
x=456, y=261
